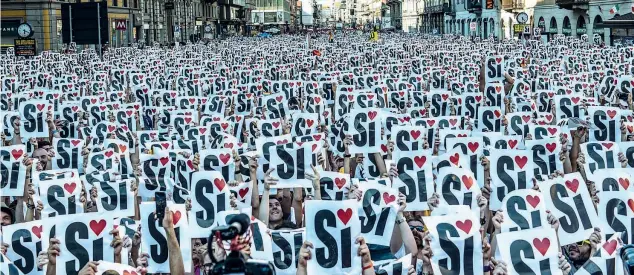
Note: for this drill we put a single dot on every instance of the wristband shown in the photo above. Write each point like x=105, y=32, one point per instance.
x=399, y=221
x=369, y=266
x=347, y=156
x=486, y=268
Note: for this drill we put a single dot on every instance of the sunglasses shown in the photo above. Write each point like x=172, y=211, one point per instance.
x=417, y=228
x=583, y=242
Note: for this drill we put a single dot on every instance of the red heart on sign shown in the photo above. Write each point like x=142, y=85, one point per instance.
x=219, y=183
x=467, y=181
x=387, y=198
x=573, y=185
x=383, y=148
x=176, y=216
x=497, y=113
x=97, y=227
x=188, y=120
x=533, y=200
x=165, y=145
x=454, y=159
x=464, y=226
x=415, y=133
x=164, y=160
x=344, y=216
x=340, y=182
x=512, y=143
x=473, y=146
x=108, y=153
x=310, y=122
x=111, y=128
x=607, y=145
x=37, y=230
x=551, y=147
x=243, y=192
x=40, y=106
x=526, y=118
x=224, y=158
x=521, y=161
x=431, y=122
x=630, y=203
x=541, y=245
x=420, y=161
x=190, y=164
x=122, y=148
x=552, y=131
x=611, y=113
x=70, y=187
x=498, y=60
x=279, y=98
x=372, y=115
x=575, y=100
x=610, y=246
x=17, y=153
x=624, y=182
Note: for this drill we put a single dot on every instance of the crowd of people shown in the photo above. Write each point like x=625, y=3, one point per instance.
x=458, y=156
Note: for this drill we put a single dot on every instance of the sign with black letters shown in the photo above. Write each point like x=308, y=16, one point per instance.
x=456, y=244
x=530, y=251
x=333, y=227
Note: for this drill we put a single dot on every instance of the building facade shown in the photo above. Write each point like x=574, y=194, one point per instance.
x=45, y=18
x=575, y=17
x=129, y=21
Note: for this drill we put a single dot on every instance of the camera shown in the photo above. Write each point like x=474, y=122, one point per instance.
x=236, y=262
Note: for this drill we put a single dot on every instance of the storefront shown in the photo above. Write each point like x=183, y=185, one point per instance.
x=552, y=29
x=566, y=28
x=581, y=26
x=9, y=32
x=621, y=29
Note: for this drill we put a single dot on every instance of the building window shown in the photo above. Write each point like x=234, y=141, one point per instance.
x=115, y=3
x=125, y=3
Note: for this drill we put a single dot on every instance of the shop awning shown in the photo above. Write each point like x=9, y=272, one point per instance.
x=625, y=21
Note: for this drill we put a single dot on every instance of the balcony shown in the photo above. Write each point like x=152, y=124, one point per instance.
x=448, y=9
x=573, y=4
x=512, y=5
x=433, y=9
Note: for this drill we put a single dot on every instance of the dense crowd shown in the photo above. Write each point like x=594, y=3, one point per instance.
x=399, y=154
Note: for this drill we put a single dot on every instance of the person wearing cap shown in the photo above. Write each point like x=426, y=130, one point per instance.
x=7, y=215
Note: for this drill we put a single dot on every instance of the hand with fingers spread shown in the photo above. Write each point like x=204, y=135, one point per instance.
x=269, y=180
x=314, y=177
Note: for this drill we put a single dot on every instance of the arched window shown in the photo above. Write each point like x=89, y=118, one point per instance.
x=492, y=26
x=600, y=31
x=581, y=26
x=566, y=28
x=553, y=26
